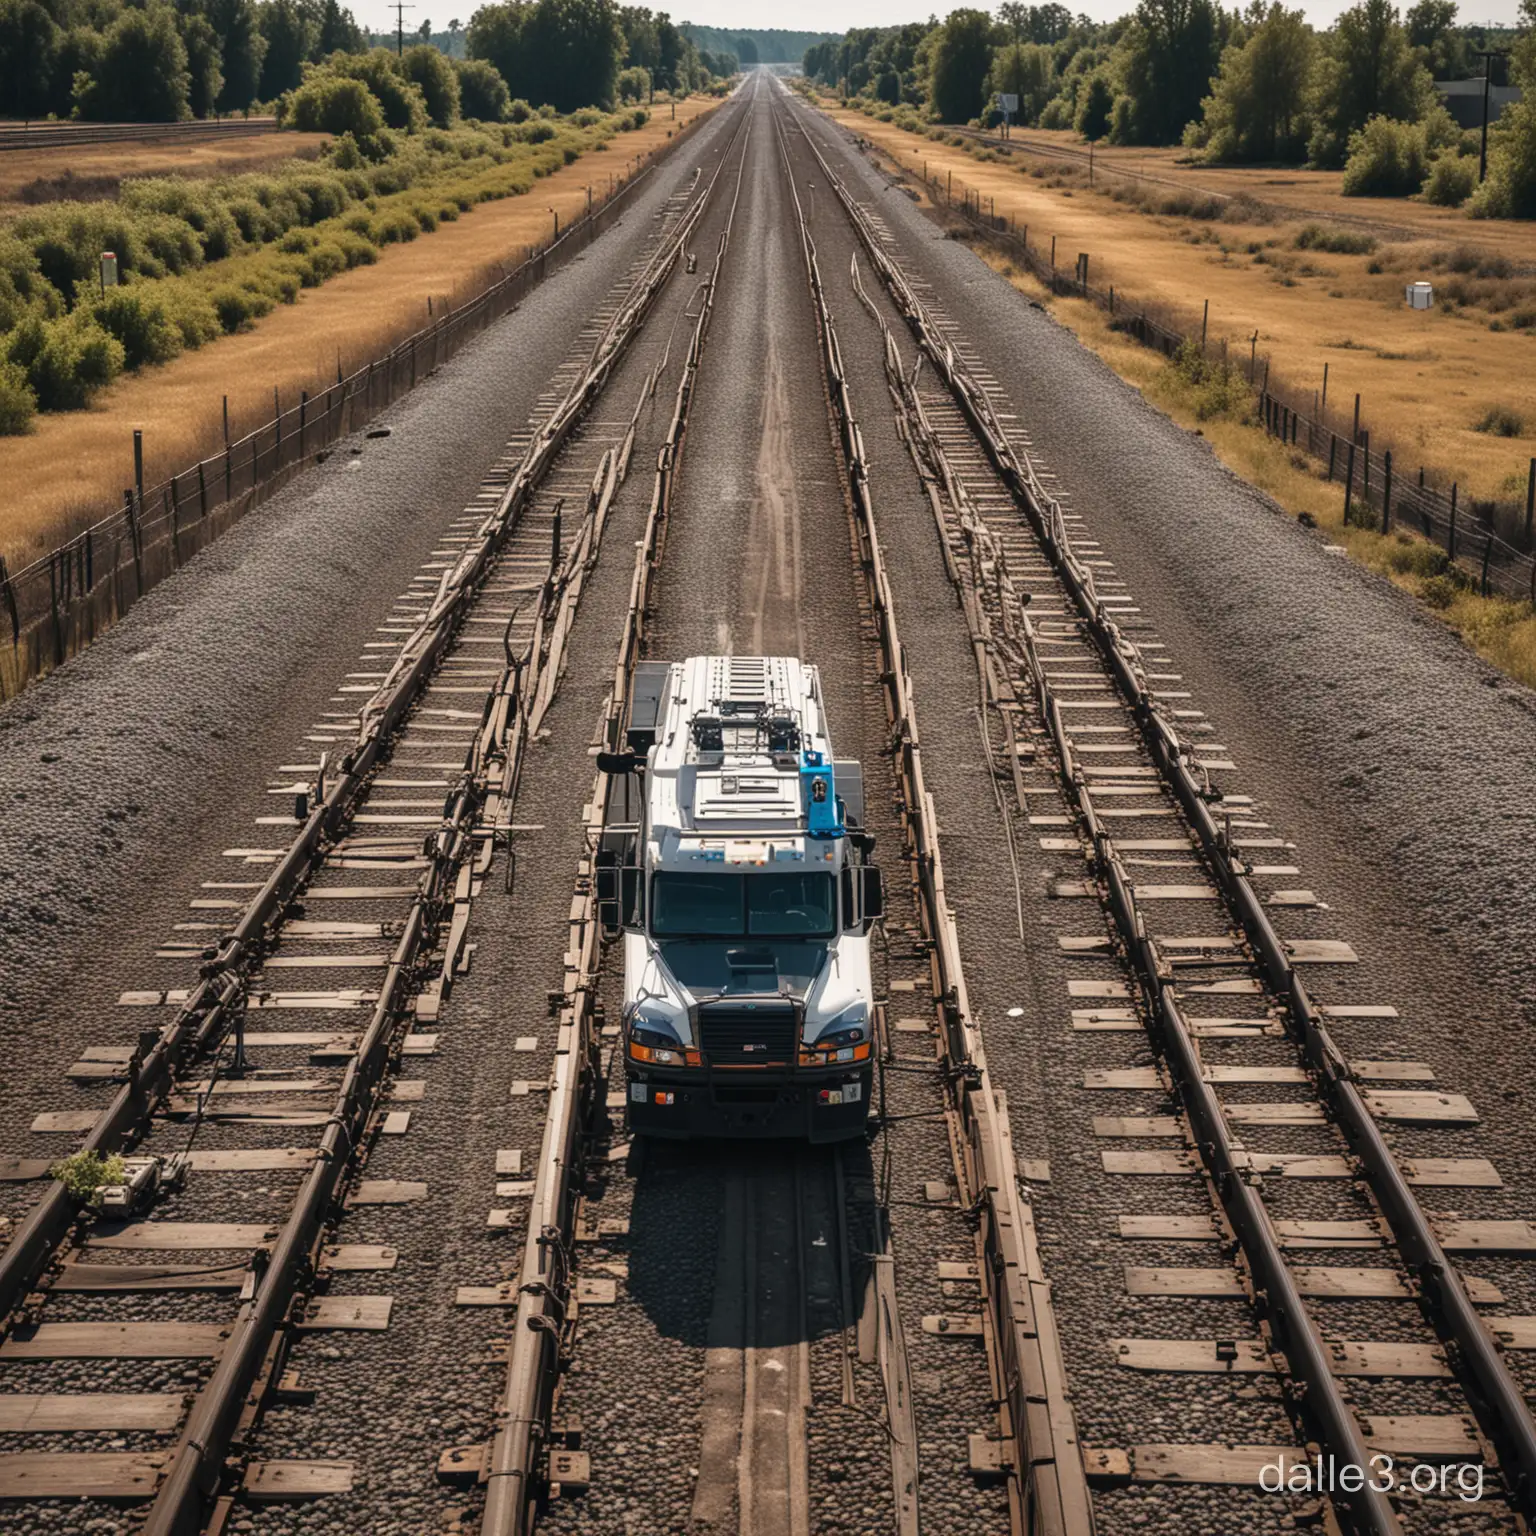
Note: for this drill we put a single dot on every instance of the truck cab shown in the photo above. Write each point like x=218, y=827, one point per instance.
x=736, y=872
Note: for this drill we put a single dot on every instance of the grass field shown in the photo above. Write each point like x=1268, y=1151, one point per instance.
x=1503, y=633
x=74, y=465
x=29, y=176
x=1427, y=379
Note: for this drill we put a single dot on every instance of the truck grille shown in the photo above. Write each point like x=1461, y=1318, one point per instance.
x=749, y=1036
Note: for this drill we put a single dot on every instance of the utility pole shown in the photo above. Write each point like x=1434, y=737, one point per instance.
x=1488, y=55
x=400, y=7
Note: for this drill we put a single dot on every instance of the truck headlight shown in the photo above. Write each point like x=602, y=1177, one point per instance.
x=846, y=1040
x=659, y=1047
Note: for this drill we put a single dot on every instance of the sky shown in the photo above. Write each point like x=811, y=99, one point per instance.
x=839, y=15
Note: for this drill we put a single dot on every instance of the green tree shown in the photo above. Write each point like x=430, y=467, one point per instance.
x=1510, y=190
x=483, y=94
x=1431, y=28
x=959, y=59
x=290, y=35
x=142, y=74
x=1027, y=71
x=1367, y=70
x=1257, y=109
x=1096, y=104
x=79, y=53
x=642, y=45
x=564, y=52
x=745, y=50
x=435, y=78
x=1171, y=52
x=241, y=50
x=29, y=49
x=204, y=64
x=338, y=31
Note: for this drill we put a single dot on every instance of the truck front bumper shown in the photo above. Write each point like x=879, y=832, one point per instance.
x=820, y=1106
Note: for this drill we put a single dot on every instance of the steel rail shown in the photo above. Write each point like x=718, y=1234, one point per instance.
x=1048, y=1489
x=223, y=972
x=1495, y=1397
x=1293, y=1330
x=198, y=1465
x=516, y=1468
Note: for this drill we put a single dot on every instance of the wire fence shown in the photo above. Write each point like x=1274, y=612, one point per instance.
x=1491, y=544
x=60, y=602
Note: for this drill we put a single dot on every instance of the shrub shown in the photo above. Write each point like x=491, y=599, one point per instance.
x=141, y=325
x=397, y=226
x=1329, y=237
x=18, y=403
x=537, y=131
x=483, y=94
x=328, y=104
x=66, y=361
x=426, y=218
x=436, y=79
x=634, y=84
x=1451, y=180
x=1212, y=388
x=1500, y=421
x=83, y=1173
x=518, y=111
x=236, y=307
x=1438, y=592
x=400, y=98
x=1387, y=158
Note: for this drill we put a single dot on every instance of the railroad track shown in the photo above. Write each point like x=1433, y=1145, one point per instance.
x=1112, y=765
x=409, y=783
x=817, y=1367
x=62, y=135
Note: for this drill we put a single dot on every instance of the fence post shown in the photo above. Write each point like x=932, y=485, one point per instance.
x=1349, y=480
x=303, y=413
x=229, y=466
x=10, y=602
x=138, y=464
x=1355, y=433
x=130, y=509
x=1365, y=476
x=170, y=512
x=1530, y=501
x=1487, y=551
x=1386, y=493
x=1325, y=387
x=277, y=445
x=1333, y=448
x=1451, y=549
x=1205, y=321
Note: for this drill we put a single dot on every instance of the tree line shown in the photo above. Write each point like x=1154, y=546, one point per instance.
x=166, y=60
x=1247, y=85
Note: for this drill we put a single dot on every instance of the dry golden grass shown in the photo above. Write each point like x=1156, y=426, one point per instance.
x=1502, y=633
x=96, y=169
x=74, y=465
x=1426, y=378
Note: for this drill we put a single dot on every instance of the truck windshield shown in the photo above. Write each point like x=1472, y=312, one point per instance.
x=689, y=906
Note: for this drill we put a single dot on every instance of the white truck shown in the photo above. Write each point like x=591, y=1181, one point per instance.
x=736, y=869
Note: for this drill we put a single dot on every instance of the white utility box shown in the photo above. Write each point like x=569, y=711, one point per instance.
x=1420, y=295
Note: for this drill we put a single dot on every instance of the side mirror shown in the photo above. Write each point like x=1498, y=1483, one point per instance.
x=871, y=893
x=617, y=762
